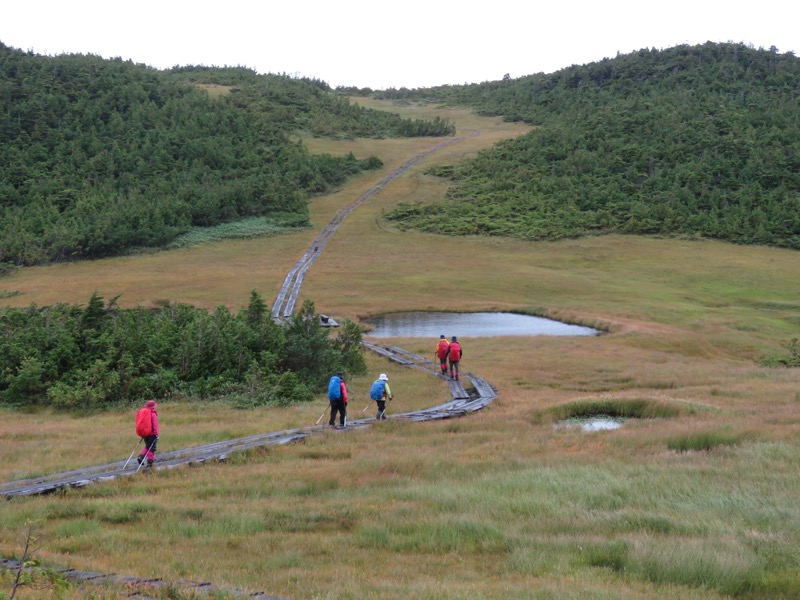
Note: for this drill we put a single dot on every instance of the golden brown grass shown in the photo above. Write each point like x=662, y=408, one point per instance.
x=496, y=505
x=215, y=90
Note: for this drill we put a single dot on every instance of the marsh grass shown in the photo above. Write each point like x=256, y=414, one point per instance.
x=706, y=440
x=625, y=408
x=496, y=505
x=243, y=229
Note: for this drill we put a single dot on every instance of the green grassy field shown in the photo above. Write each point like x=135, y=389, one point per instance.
x=698, y=500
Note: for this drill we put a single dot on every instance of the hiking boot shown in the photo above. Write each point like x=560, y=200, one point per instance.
x=139, y=459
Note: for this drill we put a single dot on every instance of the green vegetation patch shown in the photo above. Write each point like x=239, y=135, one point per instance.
x=623, y=408
x=706, y=441
x=244, y=229
x=463, y=536
x=792, y=359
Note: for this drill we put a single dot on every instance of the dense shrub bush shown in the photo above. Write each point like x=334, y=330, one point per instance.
x=71, y=357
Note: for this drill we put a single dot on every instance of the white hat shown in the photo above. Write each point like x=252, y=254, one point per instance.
x=383, y=377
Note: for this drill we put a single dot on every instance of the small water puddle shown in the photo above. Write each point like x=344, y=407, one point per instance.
x=480, y=324
x=599, y=423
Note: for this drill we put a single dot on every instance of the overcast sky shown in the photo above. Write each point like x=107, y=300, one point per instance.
x=379, y=44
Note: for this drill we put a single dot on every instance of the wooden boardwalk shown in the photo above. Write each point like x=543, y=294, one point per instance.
x=462, y=403
x=283, y=307
x=141, y=587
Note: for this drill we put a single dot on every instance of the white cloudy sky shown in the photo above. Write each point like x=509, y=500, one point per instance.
x=379, y=44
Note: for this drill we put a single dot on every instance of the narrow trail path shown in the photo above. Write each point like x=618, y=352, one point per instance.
x=463, y=402
x=284, y=304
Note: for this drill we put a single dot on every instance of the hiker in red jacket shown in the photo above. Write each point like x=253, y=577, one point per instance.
x=147, y=428
x=442, y=351
x=455, y=357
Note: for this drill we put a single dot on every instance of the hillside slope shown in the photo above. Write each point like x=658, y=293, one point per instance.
x=691, y=141
x=101, y=156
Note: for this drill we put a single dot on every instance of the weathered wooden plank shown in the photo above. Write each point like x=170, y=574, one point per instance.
x=457, y=390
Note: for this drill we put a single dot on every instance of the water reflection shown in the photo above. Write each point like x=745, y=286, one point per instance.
x=481, y=324
x=598, y=423
x=601, y=424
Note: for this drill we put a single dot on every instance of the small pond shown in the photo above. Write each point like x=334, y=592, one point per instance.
x=598, y=423
x=480, y=324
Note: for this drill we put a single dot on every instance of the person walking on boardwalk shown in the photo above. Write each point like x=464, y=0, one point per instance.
x=337, y=395
x=147, y=429
x=455, y=355
x=380, y=392
x=442, y=352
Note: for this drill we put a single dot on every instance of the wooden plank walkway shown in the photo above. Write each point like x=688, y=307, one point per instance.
x=462, y=403
x=141, y=587
x=284, y=304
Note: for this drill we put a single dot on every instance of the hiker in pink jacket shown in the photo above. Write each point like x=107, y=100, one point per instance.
x=147, y=428
x=455, y=358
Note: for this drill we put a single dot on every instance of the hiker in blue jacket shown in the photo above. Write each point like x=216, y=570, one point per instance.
x=380, y=392
x=337, y=395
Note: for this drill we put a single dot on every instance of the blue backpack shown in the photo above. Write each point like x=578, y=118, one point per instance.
x=335, y=388
x=376, y=391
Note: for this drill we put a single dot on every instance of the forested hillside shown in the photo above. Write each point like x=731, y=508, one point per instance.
x=99, y=156
x=309, y=105
x=691, y=141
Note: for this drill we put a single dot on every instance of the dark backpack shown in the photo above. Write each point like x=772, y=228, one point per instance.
x=376, y=391
x=335, y=388
x=144, y=422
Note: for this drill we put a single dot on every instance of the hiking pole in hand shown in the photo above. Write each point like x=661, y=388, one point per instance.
x=131, y=456
x=144, y=458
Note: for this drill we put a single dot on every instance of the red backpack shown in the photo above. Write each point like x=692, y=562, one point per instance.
x=144, y=422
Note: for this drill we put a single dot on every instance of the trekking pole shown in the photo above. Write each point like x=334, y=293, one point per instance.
x=365, y=408
x=131, y=456
x=144, y=459
x=322, y=415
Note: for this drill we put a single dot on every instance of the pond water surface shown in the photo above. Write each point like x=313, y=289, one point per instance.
x=598, y=423
x=480, y=324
